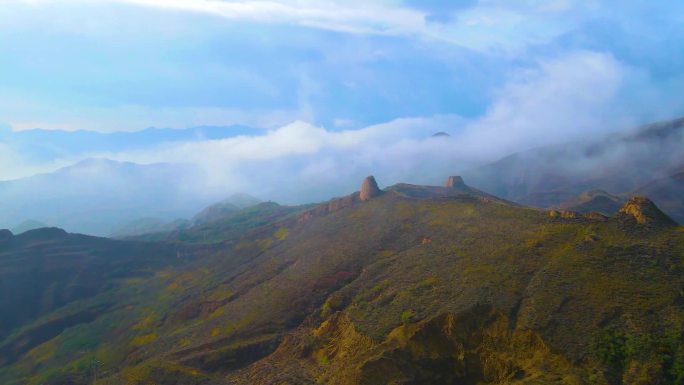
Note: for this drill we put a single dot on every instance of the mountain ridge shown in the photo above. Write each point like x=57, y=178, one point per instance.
x=620, y=164
x=394, y=288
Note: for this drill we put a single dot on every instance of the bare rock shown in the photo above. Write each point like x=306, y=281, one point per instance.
x=455, y=182
x=567, y=214
x=369, y=189
x=644, y=212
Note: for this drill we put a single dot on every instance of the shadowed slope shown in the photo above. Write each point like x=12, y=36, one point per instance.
x=46, y=271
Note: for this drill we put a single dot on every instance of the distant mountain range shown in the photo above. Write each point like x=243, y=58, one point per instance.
x=409, y=284
x=648, y=160
x=97, y=196
x=104, y=197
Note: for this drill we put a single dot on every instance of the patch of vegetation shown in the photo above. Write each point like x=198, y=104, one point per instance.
x=338, y=297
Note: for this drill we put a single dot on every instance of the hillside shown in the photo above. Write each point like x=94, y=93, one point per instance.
x=98, y=196
x=27, y=225
x=669, y=193
x=594, y=201
x=620, y=164
x=54, y=280
x=158, y=229
x=414, y=285
x=226, y=224
x=224, y=209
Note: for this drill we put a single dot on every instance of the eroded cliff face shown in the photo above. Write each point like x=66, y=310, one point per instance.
x=475, y=346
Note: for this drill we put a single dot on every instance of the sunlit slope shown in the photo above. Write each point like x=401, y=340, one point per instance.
x=418, y=285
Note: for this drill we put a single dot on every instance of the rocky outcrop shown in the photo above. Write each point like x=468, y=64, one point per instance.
x=369, y=189
x=329, y=207
x=644, y=212
x=596, y=216
x=564, y=214
x=475, y=346
x=455, y=182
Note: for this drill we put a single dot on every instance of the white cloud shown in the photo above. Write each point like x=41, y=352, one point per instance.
x=491, y=25
x=497, y=25
x=567, y=97
x=14, y=165
x=562, y=99
x=24, y=115
x=300, y=162
x=351, y=16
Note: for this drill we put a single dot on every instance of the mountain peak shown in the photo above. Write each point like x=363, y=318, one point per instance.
x=369, y=189
x=44, y=233
x=455, y=182
x=644, y=212
x=5, y=235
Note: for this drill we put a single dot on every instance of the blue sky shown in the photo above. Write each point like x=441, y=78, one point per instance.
x=365, y=82
x=129, y=64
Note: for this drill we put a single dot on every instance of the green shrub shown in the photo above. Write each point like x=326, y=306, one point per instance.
x=407, y=316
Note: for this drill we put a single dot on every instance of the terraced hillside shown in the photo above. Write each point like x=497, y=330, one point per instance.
x=417, y=285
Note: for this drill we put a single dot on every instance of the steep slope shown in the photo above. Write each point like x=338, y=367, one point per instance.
x=416, y=285
x=668, y=193
x=644, y=212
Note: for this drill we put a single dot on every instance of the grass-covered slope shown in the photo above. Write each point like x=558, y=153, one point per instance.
x=54, y=283
x=228, y=226
x=420, y=285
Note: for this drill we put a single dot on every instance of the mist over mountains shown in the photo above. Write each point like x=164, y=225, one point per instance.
x=622, y=163
x=44, y=150
x=96, y=195
x=305, y=164
x=341, y=192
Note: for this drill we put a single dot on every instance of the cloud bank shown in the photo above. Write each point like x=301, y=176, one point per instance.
x=572, y=97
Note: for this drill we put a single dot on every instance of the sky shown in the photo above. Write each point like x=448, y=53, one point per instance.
x=356, y=84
